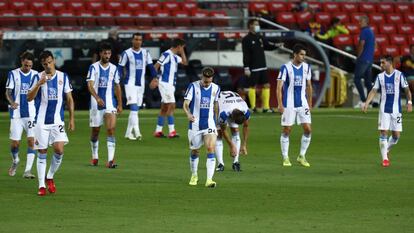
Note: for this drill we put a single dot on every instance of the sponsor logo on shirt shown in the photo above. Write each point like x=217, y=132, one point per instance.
x=52, y=93
x=389, y=88
x=205, y=102
x=24, y=88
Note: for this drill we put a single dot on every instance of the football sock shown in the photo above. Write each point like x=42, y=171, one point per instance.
x=110, y=142
x=30, y=158
x=391, y=142
x=171, y=123
x=284, y=145
x=210, y=164
x=130, y=123
x=194, y=164
x=41, y=169
x=383, y=143
x=15, y=154
x=54, y=166
x=235, y=138
x=135, y=122
x=160, y=124
x=219, y=151
x=252, y=97
x=305, y=141
x=95, y=148
x=265, y=97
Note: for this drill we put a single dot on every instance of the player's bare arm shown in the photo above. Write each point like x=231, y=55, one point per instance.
x=279, y=96
x=233, y=148
x=118, y=94
x=186, y=108
x=309, y=93
x=9, y=98
x=183, y=56
x=243, y=148
x=33, y=92
x=93, y=93
x=371, y=95
x=409, y=100
x=71, y=107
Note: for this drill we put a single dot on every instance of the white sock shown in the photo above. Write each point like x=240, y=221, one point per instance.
x=131, y=122
x=383, y=143
x=41, y=169
x=29, y=162
x=236, y=140
x=110, y=141
x=194, y=164
x=135, y=123
x=284, y=145
x=391, y=142
x=54, y=166
x=210, y=164
x=158, y=128
x=219, y=151
x=171, y=128
x=95, y=149
x=305, y=141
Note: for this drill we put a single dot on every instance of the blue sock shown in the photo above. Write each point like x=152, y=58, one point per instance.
x=160, y=120
x=15, y=153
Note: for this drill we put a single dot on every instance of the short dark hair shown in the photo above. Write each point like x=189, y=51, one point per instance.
x=27, y=56
x=137, y=34
x=251, y=22
x=105, y=46
x=45, y=54
x=297, y=48
x=177, y=42
x=207, y=72
x=388, y=58
x=238, y=116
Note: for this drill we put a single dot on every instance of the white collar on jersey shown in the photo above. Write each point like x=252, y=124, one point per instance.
x=297, y=67
x=134, y=51
x=25, y=74
x=105, y=68
x=389, y=75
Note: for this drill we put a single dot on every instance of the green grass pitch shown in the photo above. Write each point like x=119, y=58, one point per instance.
x=344, y=190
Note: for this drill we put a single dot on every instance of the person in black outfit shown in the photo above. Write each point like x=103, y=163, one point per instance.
x=254, y=62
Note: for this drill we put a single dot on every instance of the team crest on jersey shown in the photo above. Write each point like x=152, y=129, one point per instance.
x=52, y=93
x=389, y=88
x=24, y=88
x=297, y=80
x=138, y=64
x=103, y=81
x=60, y=82
x=205, y=102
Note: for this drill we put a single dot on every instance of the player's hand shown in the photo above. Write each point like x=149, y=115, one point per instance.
x=119, y=109
x=409, y=107
x=233, y=150
x=14, y=105
x=365, y=107
x=280, y=108
x=247, y=72
x=42, y=79
x=153, y=84
x=100, y=102
x=71, y=125
x=191, y=117
x=243, y=150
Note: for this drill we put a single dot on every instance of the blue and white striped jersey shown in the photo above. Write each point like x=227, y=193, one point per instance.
x=389, y=86
x=19, y=83
x=294, y=87
x=49, y=101
x=228, y=101
x=135, y=63
x=104, y=84
x=169, y=65
x=202, y=102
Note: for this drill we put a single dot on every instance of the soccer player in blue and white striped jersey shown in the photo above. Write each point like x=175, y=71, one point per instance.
x=168, y=63
x=135, y=60
x=294, y=97
x=22, y=112
x=106, y=102
x=201, y=108
x=49, y=89
x=389, y=84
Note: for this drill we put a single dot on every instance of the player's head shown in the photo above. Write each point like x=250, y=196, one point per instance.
x=207, y=74
x=47, y=61
x=363, y=20
x=386, y=62
x=237, y=116
x=177, y=42
x=26, y=59
x=253, y=25
x=299, y=53
x=105, y=52
x=137, y=40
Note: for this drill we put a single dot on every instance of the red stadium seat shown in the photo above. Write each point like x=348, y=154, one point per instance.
x=181, y=18
x=286, y=18
x=377, y=52
x=19, y=5
x=316, y=6
x=342, y=16
x=409, y=18
x=162, y=18
x=349, y=7
x=57, y=5
x=404, y=50
x=405, y=28
x=143, y=19
x=402, y=8
x=38, y=5
x=392, y=50
x=342, y=41
x=171, y=6
x=10, y=21
x=323, y=18
x=107, y=18
x=189, y=6
x=376, y=18
x=4, y=6
x=385, y=7
x=27, y=18
x=124, y=21
x=381, y=40
x=94, y=6
x=50, y=20
x=367, y=7
x=67, y=18
x=387, y=29
x=201, y=18
x=218, y=18
x=394, y=18
x=257, y=7
x=332, y=7
x=133, y=6
x=353, y=28
x=275, y=7
x=151, y=6
x=355, y=17
x=303, y=19
x=86, y=19
x=398, y=39
x=410, y=39
x=374, y=28
x=114, y=6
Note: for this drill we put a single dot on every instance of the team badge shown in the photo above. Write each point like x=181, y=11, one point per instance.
x=60, y=82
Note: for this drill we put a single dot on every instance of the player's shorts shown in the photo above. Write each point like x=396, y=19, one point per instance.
x=258, y=78
x=390, y=121
x=134, y=94
x=46, y=135
x=196, y=137
x=167, y=92
x=18, y=125
x=302, y=115
x=96, y=117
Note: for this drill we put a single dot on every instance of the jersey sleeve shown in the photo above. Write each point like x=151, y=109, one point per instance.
x=282, y=73
x=309, y=73
x=91, y=74
x=223, y=117
x=163, y=59
x=10, y=81
x=189, y=93
x=247, y=114
x=67, y=87
x=124, y=59
x=116, y=76
x=377, y=83
x=179, y=59
x=149, y=58
x=403, y=81
x=34, y=81
x=216, y=98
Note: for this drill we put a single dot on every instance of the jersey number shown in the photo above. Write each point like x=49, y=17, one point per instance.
x=61, y=129
x=307, y=111
x=228, y=94
x=211, y=131
x=398, y=120
x=30, y=124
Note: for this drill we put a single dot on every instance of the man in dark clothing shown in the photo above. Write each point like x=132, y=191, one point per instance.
x=254, y=62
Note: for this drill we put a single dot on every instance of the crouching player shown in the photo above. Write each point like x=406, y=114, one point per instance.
x=233, y=111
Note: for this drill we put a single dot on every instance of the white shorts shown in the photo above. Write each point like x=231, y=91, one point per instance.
x=18, y=125
x=134, y=94
x=96, y=117
x=302, y=115
x=46, y=135
x=390, y=121
x=167, y=92
x=196, y=137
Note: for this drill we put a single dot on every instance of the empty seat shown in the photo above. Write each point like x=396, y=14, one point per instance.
x=151, y=6
x=162, y=18
x=94, y=6
x=342, y=41
x=257, y=7
x=11, y=20
x=410, y=39
x=349, y=7
x=396, y=39
x=409, y=18
x=387, y=29
x=114, y=6
x=19, y=5
x=404, y=50
x=4, y=6
x=355, y=17
x=315, y=6
x=323, y=18
x=303, y=19
x=405, y=29
x=189, y=6
x=219, y=18
x=385, y=7
x=353, y=28
x=57, y=6
x=128, y=21
x=181, y=18
x=50, y=19
x=367, y=7
x=402, y=7
x=106, y=18
x=381, y=40
x=376, y=18
x=275, y=7
x=27, y=18
x=200, y=18
x=133, y=6
x=286, y=18
x=67, y=18
x=86, y=18
x=392, y=50
x=143, y=19
x=332, y=7
x=342, y=16
x=38, y=5
x=76, y=6
x=171, y=6
x=394, y=18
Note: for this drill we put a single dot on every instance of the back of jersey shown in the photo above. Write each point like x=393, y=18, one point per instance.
x=169, y=65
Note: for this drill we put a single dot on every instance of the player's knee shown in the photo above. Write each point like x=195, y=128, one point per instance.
x=42, y=151
x=15, y=144
x=110, y=131
x=195, y=153
x=30, y=143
